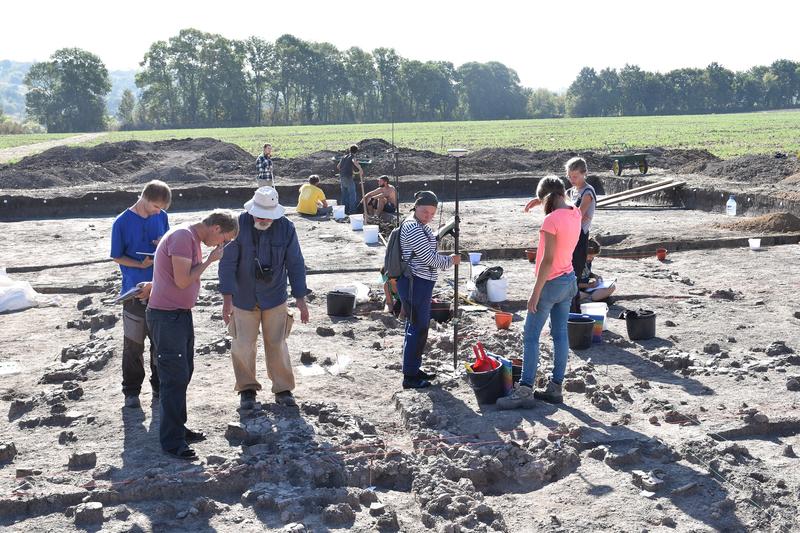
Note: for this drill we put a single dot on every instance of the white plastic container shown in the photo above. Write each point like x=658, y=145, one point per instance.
x=496, y=289
x=338, y=212
x=356, y=222
x=331, y=202
x=596, y=309
x=730, y=207
x=755, y=244
x=370, y=234
x=474, y=258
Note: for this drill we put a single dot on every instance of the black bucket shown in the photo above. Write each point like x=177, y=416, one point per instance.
x=340, y=303
x=579, y=331
x=516, y=370
x=440, y=311
x=487, y=386
x=641, y=324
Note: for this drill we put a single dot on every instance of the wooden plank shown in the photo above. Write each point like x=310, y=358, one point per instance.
x=631, y=196
x=636, y=189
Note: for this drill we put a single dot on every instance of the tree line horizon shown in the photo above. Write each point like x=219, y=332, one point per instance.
x=197, y=79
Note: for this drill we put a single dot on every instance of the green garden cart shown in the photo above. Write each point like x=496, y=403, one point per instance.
x=623, y=157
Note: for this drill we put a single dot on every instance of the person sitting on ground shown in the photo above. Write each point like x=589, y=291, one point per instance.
x=381, y=200
x=311, y=200
x=265, y=177
x=589, y=280
x=253, y=277
x=418, y=245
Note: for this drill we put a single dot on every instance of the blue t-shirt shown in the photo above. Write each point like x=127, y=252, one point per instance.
x=130, y=234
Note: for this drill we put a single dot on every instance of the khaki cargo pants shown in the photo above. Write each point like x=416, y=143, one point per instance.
x=275, y=325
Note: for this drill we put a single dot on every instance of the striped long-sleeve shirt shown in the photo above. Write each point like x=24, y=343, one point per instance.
x=418, y=244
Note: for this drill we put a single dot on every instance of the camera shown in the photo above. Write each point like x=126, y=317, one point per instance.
x=263, y=274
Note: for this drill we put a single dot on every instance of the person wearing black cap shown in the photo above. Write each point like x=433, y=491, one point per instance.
x=418, y=245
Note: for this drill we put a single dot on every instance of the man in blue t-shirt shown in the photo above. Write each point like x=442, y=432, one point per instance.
x=134, y=236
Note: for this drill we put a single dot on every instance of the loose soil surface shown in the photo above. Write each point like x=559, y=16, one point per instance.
x=694, y=430
x=18, y=152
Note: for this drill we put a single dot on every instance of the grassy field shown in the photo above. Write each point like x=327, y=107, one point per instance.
x=12, y=141
x=723, y=135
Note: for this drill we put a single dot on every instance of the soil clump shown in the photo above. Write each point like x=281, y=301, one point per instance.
x=771, y=223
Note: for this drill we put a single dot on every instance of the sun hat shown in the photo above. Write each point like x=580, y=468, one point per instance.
x=264, y=204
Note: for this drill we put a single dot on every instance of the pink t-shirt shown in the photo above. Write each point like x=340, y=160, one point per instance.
x=565, y=224
x=182, y=241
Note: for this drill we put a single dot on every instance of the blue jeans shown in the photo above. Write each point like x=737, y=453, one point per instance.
x=348, y=196
x=173, y=335
x=554, y=301
x=416, y=299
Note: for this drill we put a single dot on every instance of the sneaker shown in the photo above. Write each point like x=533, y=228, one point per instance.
x=551, y=393
x=285, y=399
x=415, y=382
x=247, y=399
x=132, y=402
x=521, y=396
x=426, y=375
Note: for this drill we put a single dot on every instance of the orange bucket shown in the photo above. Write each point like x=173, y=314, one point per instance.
x=530, y=253
x=661, y=254
x=502, y=319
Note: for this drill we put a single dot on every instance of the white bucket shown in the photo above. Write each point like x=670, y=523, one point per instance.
x=755, y=244
x=474, y=258
x=356, y=222
x=370, y=234
x=331, y=202
x=338, y=212
x=496, y=289
x=597, y=309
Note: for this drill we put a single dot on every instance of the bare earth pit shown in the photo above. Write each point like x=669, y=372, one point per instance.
x=694, y=430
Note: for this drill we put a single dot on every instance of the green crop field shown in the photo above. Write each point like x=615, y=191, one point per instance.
x=723, y=135
x=12, y=141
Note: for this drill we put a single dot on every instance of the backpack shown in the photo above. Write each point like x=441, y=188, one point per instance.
x=393, y=264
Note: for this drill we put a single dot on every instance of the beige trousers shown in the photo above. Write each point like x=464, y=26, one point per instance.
x=275, y=325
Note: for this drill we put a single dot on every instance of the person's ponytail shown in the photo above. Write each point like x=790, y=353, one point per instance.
x=548, y=189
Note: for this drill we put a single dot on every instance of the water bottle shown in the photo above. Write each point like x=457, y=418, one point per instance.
x=730, y=207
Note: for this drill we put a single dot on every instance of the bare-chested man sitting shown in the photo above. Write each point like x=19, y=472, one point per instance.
x=381, y=200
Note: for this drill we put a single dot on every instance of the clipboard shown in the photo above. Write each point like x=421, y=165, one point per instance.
x=128, y=295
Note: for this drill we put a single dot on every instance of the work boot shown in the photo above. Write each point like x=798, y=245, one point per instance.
x=551, y=393
x=415, y=382
x=132, y=402
x=430, y=376
x=285, y=399
x=247, y=399
x=521, y=396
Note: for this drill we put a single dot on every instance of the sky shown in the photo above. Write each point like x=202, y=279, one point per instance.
x=546, y=43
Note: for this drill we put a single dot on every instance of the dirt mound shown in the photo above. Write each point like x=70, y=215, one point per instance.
x=772, y=223
x=201, y=160
x=759, y=169
x=791, y=180
x=173, y=161
x=680, y=160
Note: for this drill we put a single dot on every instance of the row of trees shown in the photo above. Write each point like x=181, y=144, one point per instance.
x=198, y=79
x=714, y=89
x=202, y=79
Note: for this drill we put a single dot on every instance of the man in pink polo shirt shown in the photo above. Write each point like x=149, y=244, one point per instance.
x=176, y=283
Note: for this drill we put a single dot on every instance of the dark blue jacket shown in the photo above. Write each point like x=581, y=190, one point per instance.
x=278, y=248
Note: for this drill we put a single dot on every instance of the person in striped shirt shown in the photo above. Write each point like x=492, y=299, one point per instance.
x=418, y=245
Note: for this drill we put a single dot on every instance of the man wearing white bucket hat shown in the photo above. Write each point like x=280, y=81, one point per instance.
x=253, y=275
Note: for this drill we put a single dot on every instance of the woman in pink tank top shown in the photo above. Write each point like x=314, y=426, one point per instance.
x=552, y=294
